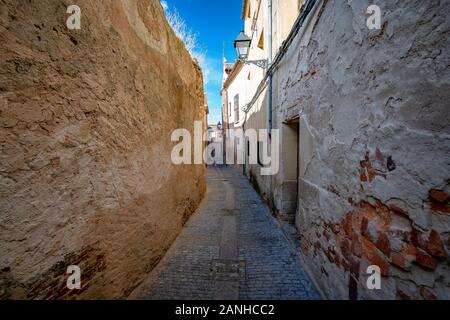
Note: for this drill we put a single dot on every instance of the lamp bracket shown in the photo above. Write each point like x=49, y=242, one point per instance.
x=260, y=63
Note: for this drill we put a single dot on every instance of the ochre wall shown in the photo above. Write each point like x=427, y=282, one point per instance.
x=85, y=122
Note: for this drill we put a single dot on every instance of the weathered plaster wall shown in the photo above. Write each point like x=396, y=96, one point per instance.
x=85, y=123
x=374, y=147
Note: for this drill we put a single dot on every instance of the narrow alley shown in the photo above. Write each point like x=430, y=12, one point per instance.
x=164, y=150
x=231, y=248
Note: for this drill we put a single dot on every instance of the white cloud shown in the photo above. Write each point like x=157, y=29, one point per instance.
x=212, y=68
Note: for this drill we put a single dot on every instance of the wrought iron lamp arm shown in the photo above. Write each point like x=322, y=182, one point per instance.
x=260, y=63
x=263, y=63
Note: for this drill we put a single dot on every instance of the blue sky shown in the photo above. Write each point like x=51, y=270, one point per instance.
x=216, y=24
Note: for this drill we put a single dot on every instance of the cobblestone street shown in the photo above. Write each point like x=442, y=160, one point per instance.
x=231, y=248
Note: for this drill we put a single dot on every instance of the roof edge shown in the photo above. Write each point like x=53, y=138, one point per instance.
x=236, y=69
x=244, y=6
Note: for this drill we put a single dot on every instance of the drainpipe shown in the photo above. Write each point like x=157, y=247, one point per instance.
x=269, y=111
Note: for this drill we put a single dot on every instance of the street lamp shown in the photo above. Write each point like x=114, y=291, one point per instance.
x=242, y=45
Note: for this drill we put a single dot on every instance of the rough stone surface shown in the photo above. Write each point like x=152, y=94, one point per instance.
x=203, y=263
x=377, y=110
x=85, y=123
x=374, y=146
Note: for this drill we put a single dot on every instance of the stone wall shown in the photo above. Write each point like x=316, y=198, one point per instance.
x=85, y=122
x=374, y=147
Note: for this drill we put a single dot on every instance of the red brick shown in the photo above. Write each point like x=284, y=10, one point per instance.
x=356, y=245
x=375, y=256
x=385, y=215
x=440, y=208
x=416, y=238
x=424, y=260
x=371, y=173
x=439, y=196
x=346, y=249
x=362, y=174
x=364, y=226
x=428, y=294
x=404, y=258
x=409, y=250
x=435, y=246
x=367, y=210
x=401, y=261
x=347, y=225
x=439, y=201
x=366, y=172
x=383, y=244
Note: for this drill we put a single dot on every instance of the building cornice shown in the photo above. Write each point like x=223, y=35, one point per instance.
x=233, y=74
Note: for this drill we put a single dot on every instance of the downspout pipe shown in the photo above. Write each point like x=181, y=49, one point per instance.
x=270, y=94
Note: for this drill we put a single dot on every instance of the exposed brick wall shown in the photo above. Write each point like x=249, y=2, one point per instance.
x=374, y=188
x=53, y=284
x=377, y=234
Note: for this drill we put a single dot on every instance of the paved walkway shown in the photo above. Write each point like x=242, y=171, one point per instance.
x=231, y=248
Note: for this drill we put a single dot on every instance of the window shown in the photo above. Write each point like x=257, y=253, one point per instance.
x=249, y=10
x=229, y=110
x=236, y=108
